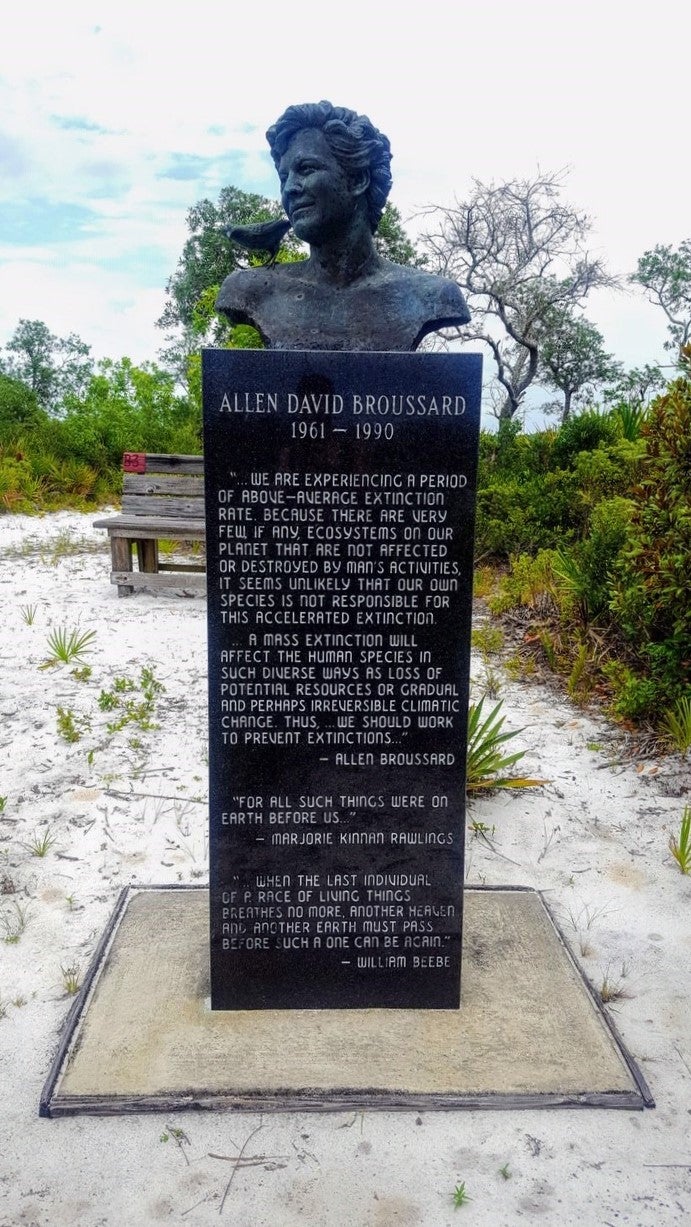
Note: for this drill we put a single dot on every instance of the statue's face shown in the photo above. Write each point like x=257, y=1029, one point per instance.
x=316, y=192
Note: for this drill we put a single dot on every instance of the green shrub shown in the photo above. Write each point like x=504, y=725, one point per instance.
x=596, y=521
x=529, y=582
x=583, y=433
x=632, y=419
x=126, y=408
x=18, y=407
x=584, y=573
x=538, y=491
x=20, y=489
x=523, y=515
x=653, y=575
x=634, y=697
x=607, y=472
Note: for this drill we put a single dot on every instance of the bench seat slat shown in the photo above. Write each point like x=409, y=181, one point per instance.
x=182, y=484
x=155, y=505
x=174, y=464
x=153, y=526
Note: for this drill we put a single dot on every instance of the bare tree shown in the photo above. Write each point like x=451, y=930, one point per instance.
x=518, y=252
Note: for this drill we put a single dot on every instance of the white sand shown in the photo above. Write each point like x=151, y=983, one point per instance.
x=594, y=838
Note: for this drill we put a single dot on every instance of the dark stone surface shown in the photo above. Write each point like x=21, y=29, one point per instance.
x=339, y=539
x=334, y=172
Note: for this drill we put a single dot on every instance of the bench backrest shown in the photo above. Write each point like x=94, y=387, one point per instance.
x=168, y=486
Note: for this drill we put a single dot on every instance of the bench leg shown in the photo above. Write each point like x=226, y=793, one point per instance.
x=121, y=560
x=147, y=553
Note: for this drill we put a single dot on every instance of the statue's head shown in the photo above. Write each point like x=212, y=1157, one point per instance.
x=354, y=142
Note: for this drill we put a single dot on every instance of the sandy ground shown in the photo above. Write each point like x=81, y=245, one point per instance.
x=129, y=805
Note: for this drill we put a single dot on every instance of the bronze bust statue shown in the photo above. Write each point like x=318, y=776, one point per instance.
x=334, y=170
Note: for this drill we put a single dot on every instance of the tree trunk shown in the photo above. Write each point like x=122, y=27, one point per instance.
x=567, y=407
x=509, y=409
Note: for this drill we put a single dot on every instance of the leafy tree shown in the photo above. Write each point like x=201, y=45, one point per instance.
x=518, y=251
x=127, y=408
x=630, y=396
x=393, y=243
x=18, y=405
x=573, y=359
x=665, y=275
x=208, y=256
x=636, y=387
x=181, y=346
x=52, y=367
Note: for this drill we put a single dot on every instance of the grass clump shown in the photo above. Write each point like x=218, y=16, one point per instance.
x=66, y=646
x=578, y=684
x=41, y=842
x=677, y=724
x=530, y=583
x=487, y=640
x=486, y=759
x=71, y=978
x=680, y=845
x=13, y=922
x=483, y=581
x=613, y=989
x=460, y=1195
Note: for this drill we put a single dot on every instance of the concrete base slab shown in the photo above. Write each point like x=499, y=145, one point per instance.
x=529, y=1033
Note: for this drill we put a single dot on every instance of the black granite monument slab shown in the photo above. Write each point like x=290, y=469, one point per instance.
x=339, y=499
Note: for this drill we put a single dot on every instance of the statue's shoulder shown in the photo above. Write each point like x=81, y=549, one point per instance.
x=429, y=302
x=239, y=290
x=438, y=295
x=248, y=288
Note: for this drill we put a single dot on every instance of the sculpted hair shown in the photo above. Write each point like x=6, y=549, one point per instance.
x=353, y=140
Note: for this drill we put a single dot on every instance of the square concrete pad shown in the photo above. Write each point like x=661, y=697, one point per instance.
x=529, y=1032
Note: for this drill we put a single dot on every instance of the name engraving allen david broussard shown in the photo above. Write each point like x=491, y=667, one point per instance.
x=332, y=404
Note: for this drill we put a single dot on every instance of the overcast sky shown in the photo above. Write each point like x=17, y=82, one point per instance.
x=116, y=117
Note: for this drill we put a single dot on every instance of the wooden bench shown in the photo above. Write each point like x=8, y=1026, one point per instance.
x=162, y=500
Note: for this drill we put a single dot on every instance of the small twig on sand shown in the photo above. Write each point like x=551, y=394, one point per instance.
x=194, y=1207
x=252, y=1161
x=245, y=1144
x=686, y=1166
x=548, y=840
x=180, y=1137
x=493, y=848
x=155, y=796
